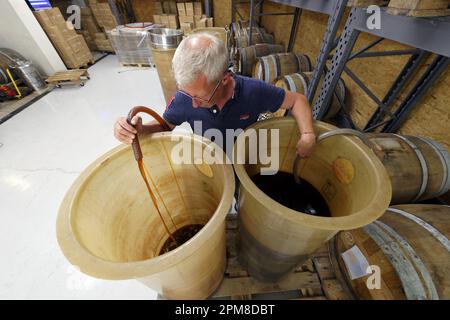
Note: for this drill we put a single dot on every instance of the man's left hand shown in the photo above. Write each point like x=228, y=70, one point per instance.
x=305, y=146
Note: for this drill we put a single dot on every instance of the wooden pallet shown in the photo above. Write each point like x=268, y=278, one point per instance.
x=313, y=280
x=419, y=8
x=137, y=65
x=69, y=77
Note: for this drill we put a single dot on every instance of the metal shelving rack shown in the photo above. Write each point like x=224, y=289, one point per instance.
x=425, y=34
x=256, y=10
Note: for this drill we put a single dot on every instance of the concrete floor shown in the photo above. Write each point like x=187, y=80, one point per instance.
x=42, y=150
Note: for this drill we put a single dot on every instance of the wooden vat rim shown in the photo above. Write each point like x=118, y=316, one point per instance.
x=372, y=211
x=95, y=266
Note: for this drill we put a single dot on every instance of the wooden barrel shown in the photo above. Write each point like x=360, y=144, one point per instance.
x=243, y=41
x=273, y=66
x=239, y=33
x=419, y=168
x=299, y=82
x=410, y=245
x=248, y=55
x=236, y=28
x=163, y=61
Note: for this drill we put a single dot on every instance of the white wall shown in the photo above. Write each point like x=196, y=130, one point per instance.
x=20, y=31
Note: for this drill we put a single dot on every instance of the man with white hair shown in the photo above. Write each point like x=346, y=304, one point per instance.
x=221, y=100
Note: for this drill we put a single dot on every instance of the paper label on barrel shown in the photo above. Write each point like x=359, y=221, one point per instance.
x=343, y=170
x=356, y=263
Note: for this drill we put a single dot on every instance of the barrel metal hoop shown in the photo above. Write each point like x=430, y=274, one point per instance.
x=262, y=69
x=304, y=81
x=423, y=165
x=266, y=68
x=444, y=156
x=403, y=266
x=255, y=58
x=414, y=258
x=340, y=90
x=297, y=60
x=434, y=232
x=308, y=62
x=242, y=61
x=291, y=83
x=276, y=60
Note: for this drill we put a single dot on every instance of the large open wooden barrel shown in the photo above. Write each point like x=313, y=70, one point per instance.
x=248, y=55
x=163, y=61
x=273, y=238
x=410, y=245
x=108, y=226
x=419, y=168
x=163, y=45
x=299, y=82
x=220, y=33
x=273, y=66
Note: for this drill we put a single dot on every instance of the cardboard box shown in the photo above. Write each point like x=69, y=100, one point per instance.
x=88, y=38
x=189, y=8
x=173, y=7
x=181, y=8
x=198, y=9
x=71, y=46
x=210, y=22
x=173, y=21
x=197, y=22
x=187, y=27
x=164, y=18
x=201, y=23
x=158, y=7
x=88, y=23
x=100, y=36
x=186, y=19
x=166, y=7
x=157, y=18
x=103, y=15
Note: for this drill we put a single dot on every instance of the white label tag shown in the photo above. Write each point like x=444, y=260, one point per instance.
x=356, y=263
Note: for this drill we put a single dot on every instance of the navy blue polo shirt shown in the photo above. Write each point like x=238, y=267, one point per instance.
x=251, y=97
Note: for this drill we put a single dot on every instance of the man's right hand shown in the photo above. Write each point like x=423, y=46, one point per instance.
x=124, y=132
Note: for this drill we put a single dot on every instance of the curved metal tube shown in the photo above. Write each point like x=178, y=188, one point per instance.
x=327, y=135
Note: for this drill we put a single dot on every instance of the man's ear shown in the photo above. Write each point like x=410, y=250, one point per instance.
x=226, y=78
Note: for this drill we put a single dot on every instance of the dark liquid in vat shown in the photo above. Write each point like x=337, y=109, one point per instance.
x=181, y=236
x=302, y=197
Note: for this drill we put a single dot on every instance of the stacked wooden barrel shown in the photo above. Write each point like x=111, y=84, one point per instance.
x=240, y=32
x=299, y=82
x=273, y=66
x=247, y=56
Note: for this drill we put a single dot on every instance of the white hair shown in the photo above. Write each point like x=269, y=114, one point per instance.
x=189, y=62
